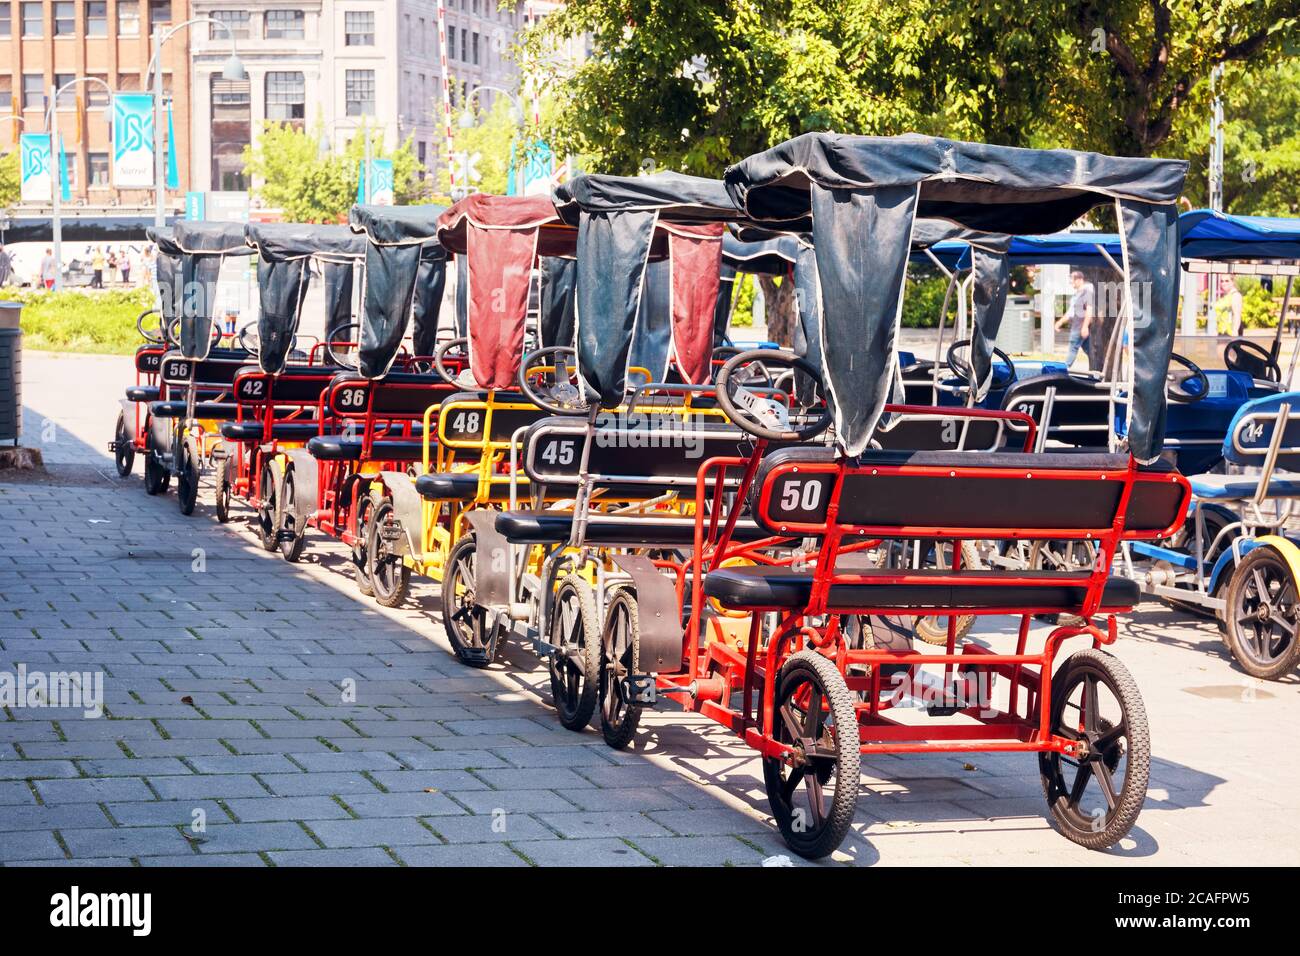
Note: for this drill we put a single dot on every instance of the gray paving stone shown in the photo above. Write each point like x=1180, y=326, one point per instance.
x=214, y=786
x=615, y=823
x=442, y=780
x=34, y=845
x=252, y=837
x=166, y=812
x=59, y=817
x=490, y=828
x=707, y=822
x=221, y=860
x=127, y=841
x=314, y=784
x=374, y=832
x=413, y=803
x=699, y=851
x=606, y=852
x=355, y=857
x=93, y=790
x=460, y=854
x=265, y=809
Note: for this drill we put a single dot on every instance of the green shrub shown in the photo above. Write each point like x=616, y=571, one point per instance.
x=742, y=314
x=73, y=321
x=922, y=300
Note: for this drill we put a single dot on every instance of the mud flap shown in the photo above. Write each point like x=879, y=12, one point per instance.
x=304, y=480
x=491, y=560
x=407, y=504
x=658, y=615
x=128, y=417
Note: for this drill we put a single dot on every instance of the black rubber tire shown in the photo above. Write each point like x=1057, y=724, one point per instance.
x=463, y=620
x=156, y=477
x=360, y=571
x=268, y=510
x=620, y=653
x=1100, y=828
x=574, y=677
x=222, y=500
x=187, y=479
x=390, y=576
x=123, y=448
x=1253, y=644
x=843, y=762
x=292, y=539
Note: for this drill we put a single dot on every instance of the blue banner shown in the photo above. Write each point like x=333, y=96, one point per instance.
x=133, y=140
x=37, y=167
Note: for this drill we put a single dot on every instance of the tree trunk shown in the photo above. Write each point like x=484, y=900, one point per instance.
x=779, y=310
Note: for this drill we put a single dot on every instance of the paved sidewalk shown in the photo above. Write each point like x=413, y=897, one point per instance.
x=301, y=724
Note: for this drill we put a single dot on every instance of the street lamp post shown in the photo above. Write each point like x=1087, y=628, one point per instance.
x=56, y=181
x=516, y=117
x=233, y=71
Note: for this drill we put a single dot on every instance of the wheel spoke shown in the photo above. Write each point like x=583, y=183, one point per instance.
x=1080, y=783
x=1103, y=775
x=814, y=786
x=790, y=718
x=791, y=783
x=812, y=719
x=1090, y=705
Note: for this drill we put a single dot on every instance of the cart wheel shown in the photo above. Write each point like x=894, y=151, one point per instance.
x=156, y=477
x=815, y=715
x=1096, y=799
x=187, y=478
x=575, y=666
x=475, y=641
x=1262, y=615
x=268, y=514
x=620, y=656
x=292, y=539
x=1062, y=556
x=223, y=489
x=123, y=447
x=390, y=576
x=360, y=569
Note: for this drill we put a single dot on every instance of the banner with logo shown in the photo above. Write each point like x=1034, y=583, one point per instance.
x=381, y=182
x=133, y=162
x=37, y=167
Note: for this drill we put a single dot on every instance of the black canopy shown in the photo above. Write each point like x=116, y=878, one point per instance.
x=865, y=194
x=285, y=251
x=202, y=247
x=405, y=275
x=167, y=271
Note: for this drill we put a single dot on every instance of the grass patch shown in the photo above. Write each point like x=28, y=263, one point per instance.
x=75, y=321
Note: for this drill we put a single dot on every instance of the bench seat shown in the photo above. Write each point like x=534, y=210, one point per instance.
x=645, y=530
x=285, y=431
x=202, y=410
x=1241, y=487
x=779, y=588
x=339, y=448
x=142, y=393
x=462, y=486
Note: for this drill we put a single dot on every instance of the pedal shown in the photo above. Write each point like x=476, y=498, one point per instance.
x=391, y=532
x=475, y=655
x=942, y=710
x=640, y=688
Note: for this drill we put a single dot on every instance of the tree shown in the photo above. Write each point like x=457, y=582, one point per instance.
x=1133, y=66
x=290, y=172
x=490, y=137
x=10, y=181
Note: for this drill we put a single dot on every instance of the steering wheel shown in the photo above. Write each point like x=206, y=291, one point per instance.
x=1003, y=375
x=763, y=417
x=337, y=336
x=173, y=333
x=439, y=359
x=158, y=334
x=756, y=374
x=1177, y=386
x=248, y=338
x=1243, y=355
x=569, y=393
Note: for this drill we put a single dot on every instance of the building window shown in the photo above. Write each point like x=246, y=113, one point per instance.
x=237, y=20
x=451, y=43
x=98, y=167
x=6, y=94
x=33, y=91
x=97, y=93
x=231, y=132
x=6, y=19
x=475, y=49
x=68, y=98
x=128, y=82
x=285, y=25
x=96, y=18
x=360, y=91
x=33, y=20
x=128, y=18
x=160, y=11
x=286, y=97
x=65, y=18
x=421, y=154
x=359, y=28
x=72, y=166
x=464, y=46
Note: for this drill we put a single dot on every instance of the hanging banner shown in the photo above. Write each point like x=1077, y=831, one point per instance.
x=381, y=182
x=133, y=162
x=37, y=167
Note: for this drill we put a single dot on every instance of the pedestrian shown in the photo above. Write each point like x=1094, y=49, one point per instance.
x=97, y=268
x=1228, y=307
x=1083, y=309
x=6, y=266
x=147, y=266
x=126, y=267
x=112, y=264
x=49, y=269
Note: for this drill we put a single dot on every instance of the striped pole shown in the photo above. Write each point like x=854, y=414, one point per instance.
x=530, y=17
x=446, y=91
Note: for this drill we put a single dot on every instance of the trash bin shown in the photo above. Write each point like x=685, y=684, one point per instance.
x=1016, y=334
x=11, y=372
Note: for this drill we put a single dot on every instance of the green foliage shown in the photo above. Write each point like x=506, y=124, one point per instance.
x=289, y=172
x=71, y=321
x=742, y=310
x=922, y=300
x=490, y=137
x=10, y=179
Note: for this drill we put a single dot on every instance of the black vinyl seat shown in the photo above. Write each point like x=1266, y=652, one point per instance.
x=208, y=410
x=340, y=448
x=546, y=527
x=285, y=431
x=763, y=588
x=462, y=486
x=142, y=393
